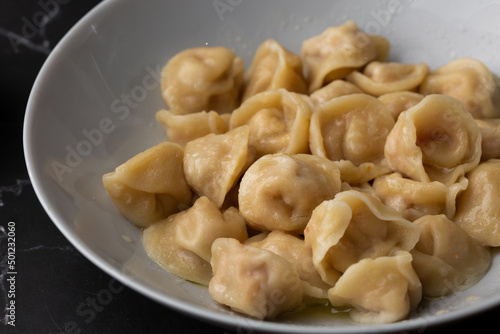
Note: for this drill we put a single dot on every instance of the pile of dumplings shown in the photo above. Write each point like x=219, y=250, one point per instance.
x=330, y=177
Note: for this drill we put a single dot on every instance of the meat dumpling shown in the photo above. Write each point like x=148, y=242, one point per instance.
x=274, y=67
x=398, y=102
x=355, y=226
x=490, y=133
x=446, y=258
x=359, y=174
x=380, y=290
x=379, y=78
x=160, y=244
x=436, y=140
x=414, y=199
x=200, y=225
x=352, y=127
x=477, y=207
x=150, y=186
x=295, y=250
x=332, y=90
x=181, y=129
x=338, y=51
x=182, y=242
x=203, y=79
x=278, y=121
x=248, y=278
x=279, y=191
x=214, y=163
x=468, y=80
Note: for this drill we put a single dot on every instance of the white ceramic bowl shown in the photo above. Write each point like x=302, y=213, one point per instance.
x=93, y=106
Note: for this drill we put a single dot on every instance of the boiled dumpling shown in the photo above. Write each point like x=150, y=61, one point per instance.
x=414, y=199
x=198, y=227
x=398, y=102
x=355, y=226
x=468, y=80
x=274, y=67
x=279, y=191
x=436, y=140
x=332, y=90
x=338, y=51
x=294, y=250
x=490, y=133
x=379, y=78
x=278, y=121
x=352, y=127
x=446, y=258
x=150, y=186
x=381, y=290
x=182, y=242
x=478, y=211
x=359, y=174
x=159, y=243
x=203, y=79
x=253, y=281
x=181, y=129
x=214, y=163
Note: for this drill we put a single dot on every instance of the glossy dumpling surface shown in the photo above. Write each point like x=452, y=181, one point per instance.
x=295, y=250
x=181, y=129
x=200, y=225
x=380, y=78
x=214, y=171
x=414, y=199
x=468, y=80
x=381, y=290
x=436, y=140
x=362, y=173
x=160, y=244
x=398, y=102
x=446, y=258
x=278, y=121
x=490, y=133
x=150, y=186
x=279, y=191
x=354, y=226
x=274, y=67
x=332, y=90
x=338, y=51
x=478, y=211
x=202, y=79
x=352, y=127
x=248, y=279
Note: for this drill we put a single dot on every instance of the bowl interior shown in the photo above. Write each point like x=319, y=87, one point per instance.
x=93, y=106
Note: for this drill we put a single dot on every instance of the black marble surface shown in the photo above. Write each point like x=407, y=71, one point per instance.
x=56, y=288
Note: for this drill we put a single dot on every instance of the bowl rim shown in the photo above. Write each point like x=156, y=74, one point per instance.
x=221, y=319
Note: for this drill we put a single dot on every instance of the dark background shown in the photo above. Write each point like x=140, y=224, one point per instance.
x=55, y=284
